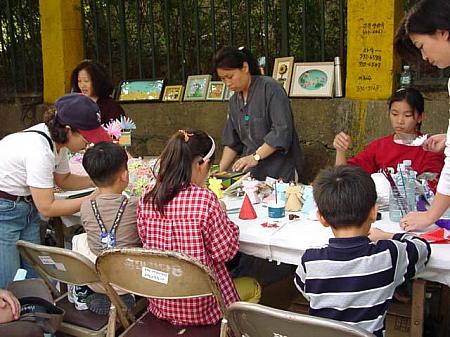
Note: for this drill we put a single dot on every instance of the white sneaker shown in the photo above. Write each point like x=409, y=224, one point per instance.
x=70, y=293
x=77, y=295
x=81, y=293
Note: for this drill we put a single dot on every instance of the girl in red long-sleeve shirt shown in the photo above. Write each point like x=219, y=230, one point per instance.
x=406, y=108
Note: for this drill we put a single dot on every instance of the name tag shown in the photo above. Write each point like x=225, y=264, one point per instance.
x=155, y=275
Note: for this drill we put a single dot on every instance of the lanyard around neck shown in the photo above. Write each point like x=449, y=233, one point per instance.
x=116, y=222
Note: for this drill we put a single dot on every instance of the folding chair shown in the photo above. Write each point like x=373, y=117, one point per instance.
x=163, y=275
x=67, y=266
x=255, y=320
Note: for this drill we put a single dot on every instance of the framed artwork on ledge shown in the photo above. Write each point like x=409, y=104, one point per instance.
x=140, y=90
x=196, y=87
x=228, y=94
x=216, y=91
x=312, y=79
x=173, y=93
x=282, y=71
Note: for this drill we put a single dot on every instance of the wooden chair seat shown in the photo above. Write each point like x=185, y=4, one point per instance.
x=85, y=318
x=150, y=325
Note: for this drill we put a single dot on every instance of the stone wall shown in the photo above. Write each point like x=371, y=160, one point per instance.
x=316, y=120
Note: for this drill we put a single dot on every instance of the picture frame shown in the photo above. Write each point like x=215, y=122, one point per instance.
x=216, y=91
x=228, y=94
x=312, y=79
x=140, y=90
x=173, y=93
x=282, y=71
x=196, y=87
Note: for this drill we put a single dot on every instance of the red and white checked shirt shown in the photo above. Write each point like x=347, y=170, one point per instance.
x=195, y=224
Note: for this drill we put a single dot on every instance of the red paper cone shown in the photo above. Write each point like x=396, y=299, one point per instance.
x=435, y=236
x=247, y=211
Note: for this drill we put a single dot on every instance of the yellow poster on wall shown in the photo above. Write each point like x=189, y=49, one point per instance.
x=371, y=59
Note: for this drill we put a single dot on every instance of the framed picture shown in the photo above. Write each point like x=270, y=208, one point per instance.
x=314, y=79
x=196, y=87
x=216, y=91
x=140, y=90
x=282, y=71
x=228, y=94
x=173, y=93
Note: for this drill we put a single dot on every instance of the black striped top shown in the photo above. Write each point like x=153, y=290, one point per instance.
x=353, y=279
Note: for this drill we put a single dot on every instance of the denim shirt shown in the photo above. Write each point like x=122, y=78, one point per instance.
x=266, y=117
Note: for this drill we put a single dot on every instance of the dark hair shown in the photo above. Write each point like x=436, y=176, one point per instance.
x=104, y=161
x=58, y=131
x=101, y=81
x=412, y=96
x=234, y=58
x=426, y=17
x=344, y=195
x=175, y=165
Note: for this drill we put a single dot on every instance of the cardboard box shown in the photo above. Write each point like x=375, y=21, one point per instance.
x=398, y=319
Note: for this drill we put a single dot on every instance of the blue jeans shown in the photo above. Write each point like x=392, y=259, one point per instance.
x=18, y=220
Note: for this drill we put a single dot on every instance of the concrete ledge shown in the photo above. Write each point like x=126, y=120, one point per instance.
x=317, y=121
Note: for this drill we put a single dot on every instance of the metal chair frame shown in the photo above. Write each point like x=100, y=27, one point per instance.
x=256, y=320
x=156, y=274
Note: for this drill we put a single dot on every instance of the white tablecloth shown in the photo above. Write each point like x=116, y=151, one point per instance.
x=288, y=242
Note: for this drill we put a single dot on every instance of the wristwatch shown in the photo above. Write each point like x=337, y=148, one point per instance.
x=257, y=157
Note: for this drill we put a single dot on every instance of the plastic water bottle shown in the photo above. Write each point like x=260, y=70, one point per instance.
x=397, y=202
x=410, y=187
x=406, y=77
x=395, y=211
x=405, y=179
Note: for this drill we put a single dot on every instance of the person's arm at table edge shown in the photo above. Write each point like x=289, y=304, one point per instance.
x=228, y=155
x=421, y=220
x=48, y=206
x=72, y=182
x=265, y=150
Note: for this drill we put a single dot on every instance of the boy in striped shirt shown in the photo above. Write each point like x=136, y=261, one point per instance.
x=354, y=277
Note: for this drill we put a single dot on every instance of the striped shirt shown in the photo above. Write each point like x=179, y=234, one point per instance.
x=353, y=279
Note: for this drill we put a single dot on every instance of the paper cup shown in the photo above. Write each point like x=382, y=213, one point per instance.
x=276, y=210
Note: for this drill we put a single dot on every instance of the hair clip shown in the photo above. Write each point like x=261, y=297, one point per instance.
x=186, y=135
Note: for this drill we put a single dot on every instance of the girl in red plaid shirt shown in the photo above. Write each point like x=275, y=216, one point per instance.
x=179, y=214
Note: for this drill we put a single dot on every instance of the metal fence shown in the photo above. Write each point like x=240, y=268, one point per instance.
x=20, y=47
x=173, y=39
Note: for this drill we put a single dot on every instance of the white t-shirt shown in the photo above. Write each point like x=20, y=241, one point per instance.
x=444, y=180
x=27, y=160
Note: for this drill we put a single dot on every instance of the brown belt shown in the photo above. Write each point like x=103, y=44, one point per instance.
x=4, y=195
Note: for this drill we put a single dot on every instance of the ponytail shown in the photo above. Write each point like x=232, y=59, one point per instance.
x=175, y=167
x=58, y=131
x=234, y=58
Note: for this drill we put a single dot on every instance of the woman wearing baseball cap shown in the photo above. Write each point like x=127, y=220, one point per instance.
x=32, y=163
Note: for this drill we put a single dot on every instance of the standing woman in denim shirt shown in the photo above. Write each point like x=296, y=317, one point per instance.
x=260, y=126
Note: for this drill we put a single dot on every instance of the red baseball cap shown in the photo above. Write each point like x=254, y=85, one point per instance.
x=83, y=114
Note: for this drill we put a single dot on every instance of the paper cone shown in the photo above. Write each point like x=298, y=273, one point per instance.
x=247, y=211
x=435, y=236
